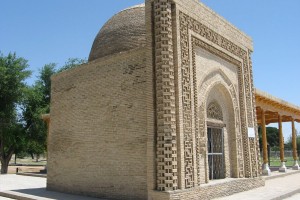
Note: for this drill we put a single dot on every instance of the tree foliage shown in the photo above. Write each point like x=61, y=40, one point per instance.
x=289, y=144
x=13, y=72
x=272, y=137
x=37, y=102
x=26, y=132
x=71, y=63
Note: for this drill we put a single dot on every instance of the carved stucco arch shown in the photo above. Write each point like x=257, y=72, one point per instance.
x=217, y=77
x=211, y=76
x=214, y=111
x=217, y=80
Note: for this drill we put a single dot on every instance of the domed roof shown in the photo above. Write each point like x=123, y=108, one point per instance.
x=124, y=31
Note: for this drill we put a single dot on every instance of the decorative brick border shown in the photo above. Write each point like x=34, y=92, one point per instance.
x=165, y=97
x=167, y=133
x=244, y=77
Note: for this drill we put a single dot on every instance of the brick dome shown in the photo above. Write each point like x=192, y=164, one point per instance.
x=124, y=31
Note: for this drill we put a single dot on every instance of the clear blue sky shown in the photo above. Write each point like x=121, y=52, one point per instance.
x=53, y=31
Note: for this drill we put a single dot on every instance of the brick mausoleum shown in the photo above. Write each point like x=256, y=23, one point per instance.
x=164, y=109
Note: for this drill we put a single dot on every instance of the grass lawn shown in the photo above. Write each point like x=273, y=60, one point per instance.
x=28, y=161
x=26, y=164
x=275, y=161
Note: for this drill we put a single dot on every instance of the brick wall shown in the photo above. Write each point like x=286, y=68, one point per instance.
x=98, y=135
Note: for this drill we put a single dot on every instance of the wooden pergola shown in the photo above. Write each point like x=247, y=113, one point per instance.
x=270, y=109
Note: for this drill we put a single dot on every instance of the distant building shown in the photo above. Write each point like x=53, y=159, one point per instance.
x=164, y=108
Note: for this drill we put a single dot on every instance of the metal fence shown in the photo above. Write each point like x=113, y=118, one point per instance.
x=276, y=154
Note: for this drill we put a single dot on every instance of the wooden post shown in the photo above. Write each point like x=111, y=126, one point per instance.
x=294, y=143
x=281, y=145
x=264, y=137
x=266, y=169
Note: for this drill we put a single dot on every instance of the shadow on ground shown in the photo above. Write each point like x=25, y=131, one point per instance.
x=42, y=192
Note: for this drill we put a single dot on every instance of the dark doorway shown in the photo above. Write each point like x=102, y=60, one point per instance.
x=215, y=148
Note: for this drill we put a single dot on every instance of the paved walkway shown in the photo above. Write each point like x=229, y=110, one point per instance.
x=28, y=187
x=278, y=186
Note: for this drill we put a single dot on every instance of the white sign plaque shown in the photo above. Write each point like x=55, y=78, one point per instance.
x=251, y=132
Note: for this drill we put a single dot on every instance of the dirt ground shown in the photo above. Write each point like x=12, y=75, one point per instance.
x=23, y=169
x=26, y=164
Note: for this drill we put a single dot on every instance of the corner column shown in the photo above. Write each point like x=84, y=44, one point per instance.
x=294, y=143
x=281, y=145
x=265, y=169
x=167, y=166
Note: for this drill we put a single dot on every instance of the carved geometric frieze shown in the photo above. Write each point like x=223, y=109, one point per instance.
x=187, y=106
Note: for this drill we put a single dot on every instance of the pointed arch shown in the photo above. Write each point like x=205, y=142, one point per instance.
x=217, y=89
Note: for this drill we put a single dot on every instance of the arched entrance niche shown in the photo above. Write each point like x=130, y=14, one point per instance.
x=220, y=115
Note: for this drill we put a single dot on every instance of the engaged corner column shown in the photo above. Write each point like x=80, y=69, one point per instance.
x=294, y=142
x=281, y=145
x=265, y=168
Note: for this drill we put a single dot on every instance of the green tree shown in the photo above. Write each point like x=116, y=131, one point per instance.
x=14, y=140
x=272, y=137
x=36, y=103
x=289, y=145
x=13, y=72
x=71, y=63
x=44, y=83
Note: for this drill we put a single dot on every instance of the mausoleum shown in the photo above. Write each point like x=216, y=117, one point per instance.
x=164, y=109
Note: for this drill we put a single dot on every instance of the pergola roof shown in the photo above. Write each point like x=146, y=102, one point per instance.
x=274, y=107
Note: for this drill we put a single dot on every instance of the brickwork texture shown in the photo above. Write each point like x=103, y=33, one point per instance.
x=98, y=139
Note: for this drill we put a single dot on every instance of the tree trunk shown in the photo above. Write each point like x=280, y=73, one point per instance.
x=4, y=165
x=5, y=162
